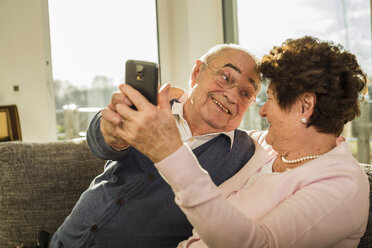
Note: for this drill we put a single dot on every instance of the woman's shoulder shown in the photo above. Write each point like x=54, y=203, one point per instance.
x=340, y=171
x=258, y=136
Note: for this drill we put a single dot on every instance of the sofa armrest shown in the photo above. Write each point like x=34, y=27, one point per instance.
x=40, y=183
x=366, y=240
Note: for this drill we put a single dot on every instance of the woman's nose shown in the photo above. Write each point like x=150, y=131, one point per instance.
x=262, y=111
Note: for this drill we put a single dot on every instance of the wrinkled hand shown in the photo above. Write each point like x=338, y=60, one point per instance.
x=110, y=119
x=151, y=129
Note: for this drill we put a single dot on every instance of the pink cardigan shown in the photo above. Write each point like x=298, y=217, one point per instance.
x=323, y=203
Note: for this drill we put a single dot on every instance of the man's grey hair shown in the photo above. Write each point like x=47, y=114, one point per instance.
x=215, y=51
x=219, y=49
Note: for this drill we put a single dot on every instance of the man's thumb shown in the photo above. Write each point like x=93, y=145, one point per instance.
x=163, y=99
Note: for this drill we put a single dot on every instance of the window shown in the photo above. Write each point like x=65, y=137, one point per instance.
x=263, y=24
x=90, y=41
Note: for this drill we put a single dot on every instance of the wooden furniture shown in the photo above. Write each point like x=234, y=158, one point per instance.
x=10, y=128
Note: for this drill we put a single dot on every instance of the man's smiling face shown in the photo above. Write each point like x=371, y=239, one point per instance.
x=216, y=108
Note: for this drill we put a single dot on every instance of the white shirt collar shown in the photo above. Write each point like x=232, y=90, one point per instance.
x=177, y=111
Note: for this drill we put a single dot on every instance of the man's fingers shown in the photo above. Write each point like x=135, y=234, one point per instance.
x=125, y=112
x=125, y=132
x=119, y=97
x=111, y=106
x=135, y=96
x=110, y=136
x=111, y=116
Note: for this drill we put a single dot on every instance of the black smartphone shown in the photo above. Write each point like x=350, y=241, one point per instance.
x=143, y=76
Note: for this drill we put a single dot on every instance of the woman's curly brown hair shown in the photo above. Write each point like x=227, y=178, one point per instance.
x=309, y=65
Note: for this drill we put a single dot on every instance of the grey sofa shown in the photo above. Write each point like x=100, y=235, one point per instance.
x=41, y=182
x=39, y=185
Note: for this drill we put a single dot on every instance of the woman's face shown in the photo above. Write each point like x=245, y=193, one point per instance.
x=284, y=126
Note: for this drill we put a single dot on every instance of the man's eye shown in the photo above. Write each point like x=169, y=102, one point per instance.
x=226, y=78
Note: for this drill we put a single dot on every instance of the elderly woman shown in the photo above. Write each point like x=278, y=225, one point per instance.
x=301, y=188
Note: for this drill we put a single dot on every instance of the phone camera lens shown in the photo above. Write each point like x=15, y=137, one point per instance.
x=139, y=70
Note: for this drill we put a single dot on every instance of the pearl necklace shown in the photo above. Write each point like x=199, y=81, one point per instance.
x=295, y=161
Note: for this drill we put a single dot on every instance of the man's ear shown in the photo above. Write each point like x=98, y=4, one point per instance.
x=308, y=101
x=195, y=72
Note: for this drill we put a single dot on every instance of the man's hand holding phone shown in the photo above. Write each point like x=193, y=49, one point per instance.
x=151, y=127
x=143, y=76
x=111, y=119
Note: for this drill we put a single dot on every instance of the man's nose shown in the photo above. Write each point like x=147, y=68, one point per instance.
x=232, y=95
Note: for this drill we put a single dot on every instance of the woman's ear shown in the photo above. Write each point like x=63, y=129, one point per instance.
x=195, y=72
x=308, y=101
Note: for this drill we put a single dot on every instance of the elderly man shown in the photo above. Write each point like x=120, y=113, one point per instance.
x=129, y=204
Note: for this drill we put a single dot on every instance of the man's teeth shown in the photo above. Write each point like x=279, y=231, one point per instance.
x=219, y=104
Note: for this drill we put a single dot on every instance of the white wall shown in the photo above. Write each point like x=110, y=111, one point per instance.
x=24, y=61
x=187, y=29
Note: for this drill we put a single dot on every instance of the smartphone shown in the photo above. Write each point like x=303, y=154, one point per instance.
x=143, y=76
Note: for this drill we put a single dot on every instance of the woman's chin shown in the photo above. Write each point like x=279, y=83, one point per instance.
x=268, y=139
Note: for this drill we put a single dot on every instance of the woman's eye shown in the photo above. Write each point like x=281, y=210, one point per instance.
x=245, y=94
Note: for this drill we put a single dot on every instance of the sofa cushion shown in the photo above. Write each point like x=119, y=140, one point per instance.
x=39, y=185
